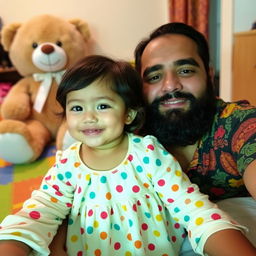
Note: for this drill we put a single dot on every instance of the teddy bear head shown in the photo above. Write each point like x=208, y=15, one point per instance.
x=45, y=43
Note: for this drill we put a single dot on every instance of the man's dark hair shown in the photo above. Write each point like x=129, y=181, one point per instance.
x=175, y=28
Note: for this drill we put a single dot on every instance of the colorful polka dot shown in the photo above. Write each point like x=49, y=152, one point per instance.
x=73, y=238
x=117, y=227
x=117, y=246
x=108, y=195
x=151, y=247
x=144, y=226
x=97, y=252
x=103, y=235
x=190, y=190
x=161, y=183
x=215, y=216
x=119, y=188
x=137, y=140
x=158, y=162
x=103, y=179
x=159, y=217
x=124, y=175
x=137, y=244
x=104, y=215
x=156, y=233
x=199, y=204
x=60, y=176
x=35, y=215
x=135, y=189
x=146, y=160
x=68, y=175
x=92, y=195
x=139, y=168
x=89, y=230
x=175, y=187
x=129, y=236
x=186, y=218
x=199, y=221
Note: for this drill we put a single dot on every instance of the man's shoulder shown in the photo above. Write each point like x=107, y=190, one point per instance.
x=238, y=109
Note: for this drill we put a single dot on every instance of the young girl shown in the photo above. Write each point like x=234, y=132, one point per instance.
x=123, y=194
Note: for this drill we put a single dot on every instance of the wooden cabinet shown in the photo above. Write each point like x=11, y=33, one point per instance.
x=244, y=67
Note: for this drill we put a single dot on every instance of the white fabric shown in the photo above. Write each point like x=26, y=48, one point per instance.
x=241, y=209
x=45, y=86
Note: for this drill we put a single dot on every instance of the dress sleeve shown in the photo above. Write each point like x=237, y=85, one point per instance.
x=186, y=204
x=38, y=220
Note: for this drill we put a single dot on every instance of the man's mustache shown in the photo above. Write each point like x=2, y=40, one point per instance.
x=173, y=95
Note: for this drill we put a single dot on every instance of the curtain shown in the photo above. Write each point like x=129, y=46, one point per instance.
x=191, y=12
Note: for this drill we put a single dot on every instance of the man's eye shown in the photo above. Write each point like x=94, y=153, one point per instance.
x=186, y=71
x=76, y=108
x=102, y=106
x=153, y=78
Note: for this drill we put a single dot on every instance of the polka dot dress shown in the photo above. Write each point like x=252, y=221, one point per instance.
x=141, y=207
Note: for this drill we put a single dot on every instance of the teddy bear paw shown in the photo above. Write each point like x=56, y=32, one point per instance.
x=14, y=148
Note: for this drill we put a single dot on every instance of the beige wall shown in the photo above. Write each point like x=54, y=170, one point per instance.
x=116, y=25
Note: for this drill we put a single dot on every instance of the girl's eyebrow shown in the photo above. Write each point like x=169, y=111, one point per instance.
x=188, y=61
x=96, y=98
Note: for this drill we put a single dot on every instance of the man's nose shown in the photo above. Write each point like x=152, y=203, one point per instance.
x=171, y=82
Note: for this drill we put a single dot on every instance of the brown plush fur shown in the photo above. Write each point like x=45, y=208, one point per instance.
x=19, y=116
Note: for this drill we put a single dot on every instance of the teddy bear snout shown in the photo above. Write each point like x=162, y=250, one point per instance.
x=47, y=49
x=49, y=57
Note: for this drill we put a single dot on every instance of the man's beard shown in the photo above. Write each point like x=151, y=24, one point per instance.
x=180, y=127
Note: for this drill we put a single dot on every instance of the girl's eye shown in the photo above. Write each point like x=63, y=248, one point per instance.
x=102, y=106
x=76, y=108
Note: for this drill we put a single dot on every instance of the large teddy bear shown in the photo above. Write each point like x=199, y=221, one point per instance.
x=40, y=49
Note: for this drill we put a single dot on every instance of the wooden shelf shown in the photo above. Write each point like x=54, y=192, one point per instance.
x=9, y=75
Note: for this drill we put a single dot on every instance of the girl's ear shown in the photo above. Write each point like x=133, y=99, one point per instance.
x=130, y=116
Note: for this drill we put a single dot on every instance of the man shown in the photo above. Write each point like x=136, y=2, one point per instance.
x=214, y=141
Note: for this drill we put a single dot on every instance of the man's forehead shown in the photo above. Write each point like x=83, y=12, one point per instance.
x=169, y=48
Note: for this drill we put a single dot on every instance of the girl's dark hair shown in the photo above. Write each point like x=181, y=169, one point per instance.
x=123, y=78
x=175, y=28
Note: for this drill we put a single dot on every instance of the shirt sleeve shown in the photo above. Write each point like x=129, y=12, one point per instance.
x=186, y=204
x=38, y=220
x=244, y=143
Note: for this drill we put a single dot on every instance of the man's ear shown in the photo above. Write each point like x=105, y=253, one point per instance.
x=130, y=116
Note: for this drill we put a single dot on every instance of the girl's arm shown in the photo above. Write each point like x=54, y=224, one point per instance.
x=229, y=242
x=13, y=248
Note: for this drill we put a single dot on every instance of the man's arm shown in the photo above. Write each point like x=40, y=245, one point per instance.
x=250, y=178
x=229, y=242
x=13, y=248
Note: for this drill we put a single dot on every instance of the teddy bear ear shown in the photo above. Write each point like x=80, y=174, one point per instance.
x=82, y=27
x=8, y=33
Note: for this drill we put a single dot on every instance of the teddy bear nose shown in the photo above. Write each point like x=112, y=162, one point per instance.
x=47, y=49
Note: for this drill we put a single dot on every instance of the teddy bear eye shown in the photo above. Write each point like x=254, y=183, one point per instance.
x=34, y=45
x=59, y=43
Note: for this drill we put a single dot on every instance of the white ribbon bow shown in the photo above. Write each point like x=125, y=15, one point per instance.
x=45, y=86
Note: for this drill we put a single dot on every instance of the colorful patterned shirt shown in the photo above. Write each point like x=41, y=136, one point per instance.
x=138, y=208
x=224, y=153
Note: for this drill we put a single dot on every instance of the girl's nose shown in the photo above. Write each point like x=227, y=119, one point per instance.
x=89, y=117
